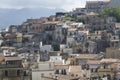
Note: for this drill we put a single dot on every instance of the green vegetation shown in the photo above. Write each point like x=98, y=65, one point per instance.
x=56, y=47
x=77, y=46
x=68, y=19
x=80, y=20
x=113, y=12
x=73, y=19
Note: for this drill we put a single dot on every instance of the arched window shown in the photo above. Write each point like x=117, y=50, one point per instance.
x=18, y=72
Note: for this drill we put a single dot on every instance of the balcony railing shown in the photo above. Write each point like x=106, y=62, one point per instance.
x=10, y=66
x=104, y=70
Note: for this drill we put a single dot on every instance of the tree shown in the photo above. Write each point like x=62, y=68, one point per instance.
x=56, y=47
x=3, y=44
x=111, y=11
x=81, y=20
x=68, y=19
x=77, y=47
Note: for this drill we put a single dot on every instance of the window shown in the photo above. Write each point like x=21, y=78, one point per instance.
x=6, y=73
x=50, y=73
x=89, y=37
x=96, y=70
x=84, y=75
x=92, y=70
x=72, y=75
x=114, y=38
x=76, y=75
x=97, y=32
x=25, y=74
x=42, y=74
x=18, y=72
x=57, y=72
x=70, y=33
x=63, y=72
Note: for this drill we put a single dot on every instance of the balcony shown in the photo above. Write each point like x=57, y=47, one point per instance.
x=104, y=70
x=10, y=66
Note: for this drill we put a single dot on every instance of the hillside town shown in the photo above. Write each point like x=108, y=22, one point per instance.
x=83, y=44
